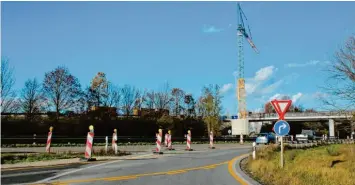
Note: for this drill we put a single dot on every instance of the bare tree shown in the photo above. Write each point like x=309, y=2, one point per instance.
x=140, y=99
x=341, y=82
x=190, y=105
x=178, y=99
x=8, y=103
x=162, y=98
x=61, y=88
x=150, y=100
x=113, y=98
x=340, y=86
x=129, y=96
x=31, y=98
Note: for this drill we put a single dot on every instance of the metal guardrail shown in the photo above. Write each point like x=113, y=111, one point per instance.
x=314, y=143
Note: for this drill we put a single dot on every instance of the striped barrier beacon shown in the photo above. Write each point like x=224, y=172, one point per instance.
x=49, y=139
x=89, y=143
x=211, y=140
x=170, y=147
x=114, y=141
x=166, y=139
x=188, y=141
x=159, y=136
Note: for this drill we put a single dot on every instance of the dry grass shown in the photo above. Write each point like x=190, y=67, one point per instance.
x=327, y=165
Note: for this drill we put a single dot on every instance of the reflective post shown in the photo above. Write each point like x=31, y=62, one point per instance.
x=254, y=150
x=106, y=146
x=34, y=139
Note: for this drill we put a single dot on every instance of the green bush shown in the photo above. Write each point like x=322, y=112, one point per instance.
x=333, y=150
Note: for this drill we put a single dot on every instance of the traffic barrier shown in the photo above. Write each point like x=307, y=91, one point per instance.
x=49, y=139
x=159, y=136
x=114, y=140
x=170, y=147
x=188, y=141
x=166, y=139
x=211, y=140
x=89, y=144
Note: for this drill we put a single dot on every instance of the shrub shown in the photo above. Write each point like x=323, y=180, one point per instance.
x=333, y=150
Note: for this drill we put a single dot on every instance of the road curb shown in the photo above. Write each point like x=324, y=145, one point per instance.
x=63, y=162
x=239, y=172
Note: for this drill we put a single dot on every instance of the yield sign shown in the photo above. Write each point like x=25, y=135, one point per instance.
x=281, y=107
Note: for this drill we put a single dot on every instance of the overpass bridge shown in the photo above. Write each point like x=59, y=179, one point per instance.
x=269, y=118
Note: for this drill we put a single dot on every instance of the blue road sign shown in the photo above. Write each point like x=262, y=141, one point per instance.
x=281, y=128
x=234, y=117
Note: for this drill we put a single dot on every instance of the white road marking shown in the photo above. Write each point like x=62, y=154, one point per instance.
x=81, y=169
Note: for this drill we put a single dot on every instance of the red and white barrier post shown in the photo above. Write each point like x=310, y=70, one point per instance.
x=49, y=139
x=170, y=147
x=114, y=141
x=211, y=140
x=166, y=139
x=188, y=141
x=89, y=144
x=159, y=136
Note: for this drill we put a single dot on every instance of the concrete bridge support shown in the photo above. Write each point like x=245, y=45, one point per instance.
x=331, y=128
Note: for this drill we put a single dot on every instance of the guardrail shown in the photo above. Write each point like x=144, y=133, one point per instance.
x=314, y=143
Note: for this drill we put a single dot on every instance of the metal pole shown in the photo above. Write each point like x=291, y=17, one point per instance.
x=282, y=153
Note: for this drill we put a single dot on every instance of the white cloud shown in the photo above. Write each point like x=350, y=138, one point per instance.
x=226, y=87
x=264, y=73
x=253, y=85
x=310, y=63
x=271, y=88
x=211, y=29
x=296, y=97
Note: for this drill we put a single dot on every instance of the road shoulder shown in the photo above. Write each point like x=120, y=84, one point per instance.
x=241, y=176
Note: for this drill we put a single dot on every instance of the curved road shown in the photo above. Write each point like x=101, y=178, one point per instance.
x=203, y=166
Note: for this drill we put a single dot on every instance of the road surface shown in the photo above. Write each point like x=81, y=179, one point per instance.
x=203, y=166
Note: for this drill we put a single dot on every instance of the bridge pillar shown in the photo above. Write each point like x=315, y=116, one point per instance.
x=331, y=128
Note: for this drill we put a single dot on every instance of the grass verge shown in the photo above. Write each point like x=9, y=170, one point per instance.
x=11, y=158
x=326, y=165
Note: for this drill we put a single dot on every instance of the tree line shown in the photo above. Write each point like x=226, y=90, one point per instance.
x=61, y=91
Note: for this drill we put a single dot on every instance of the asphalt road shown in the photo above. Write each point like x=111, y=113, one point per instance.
x=203, y=166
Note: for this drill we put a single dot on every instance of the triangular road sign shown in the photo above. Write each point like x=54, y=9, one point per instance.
x=281, y=107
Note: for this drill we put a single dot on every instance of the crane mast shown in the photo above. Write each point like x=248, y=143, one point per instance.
x=241, y=34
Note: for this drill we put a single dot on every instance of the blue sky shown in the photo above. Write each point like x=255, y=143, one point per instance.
x=188, y=44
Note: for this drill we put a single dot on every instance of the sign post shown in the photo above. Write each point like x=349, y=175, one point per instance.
x=281, y=127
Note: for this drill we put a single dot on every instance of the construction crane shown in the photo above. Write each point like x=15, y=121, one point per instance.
x=242, y=34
